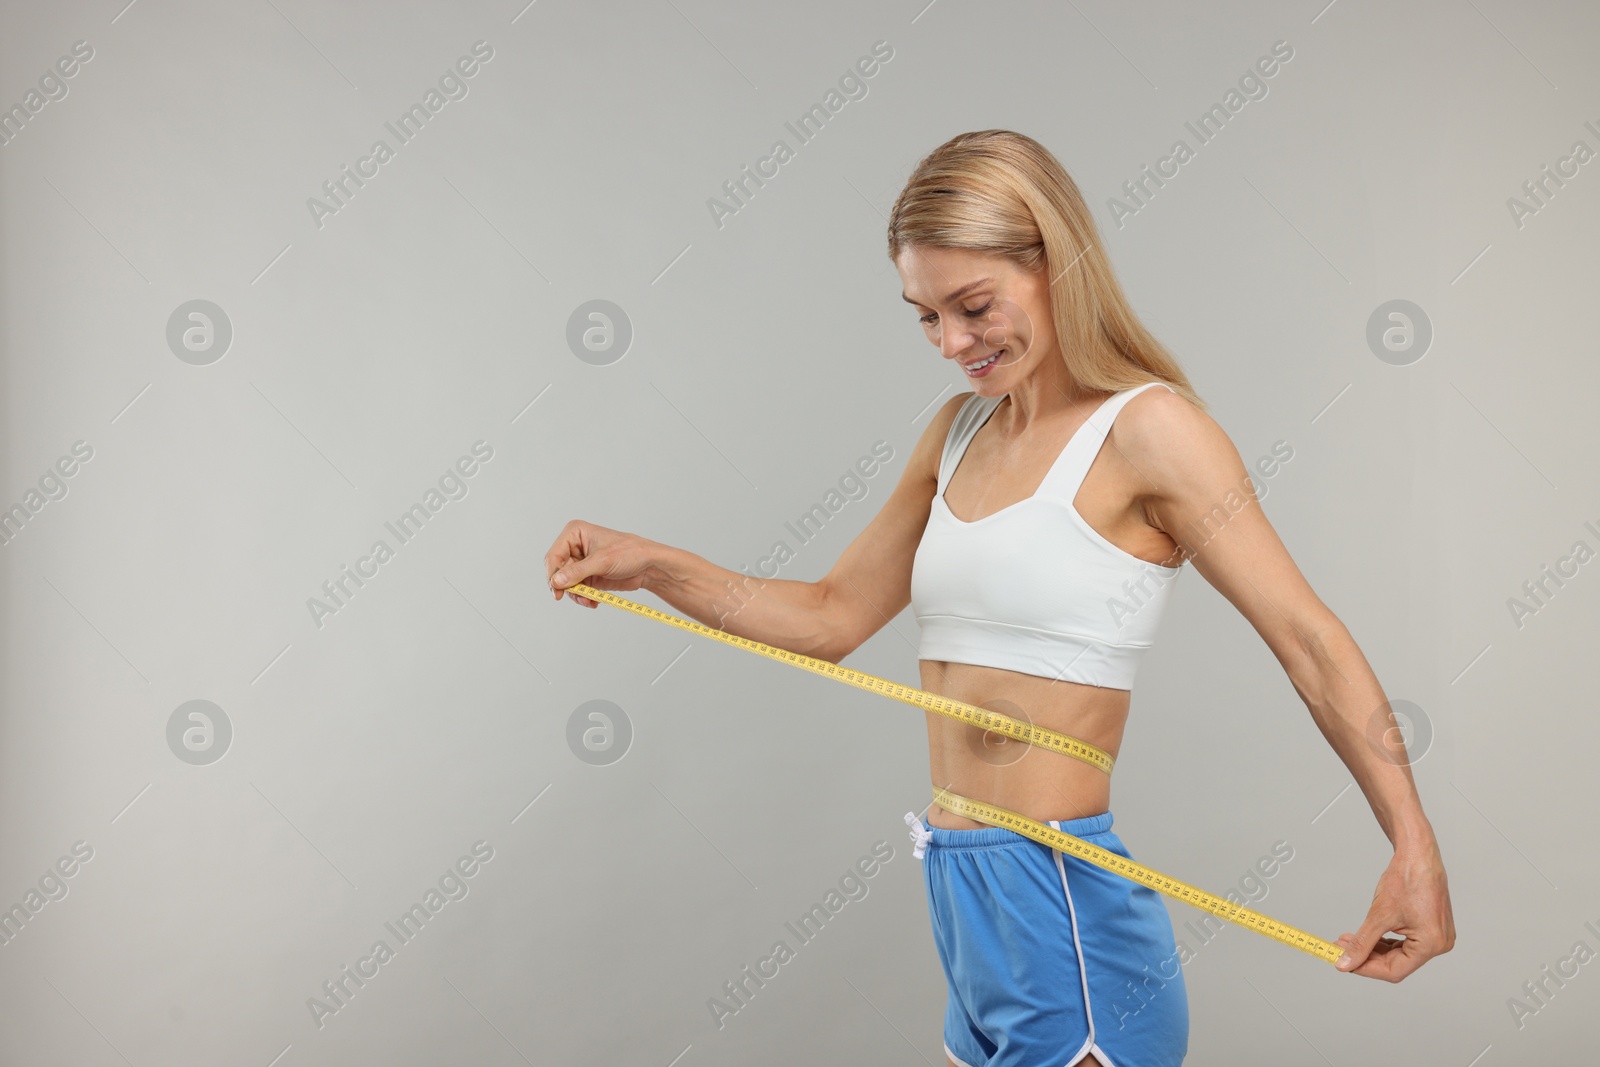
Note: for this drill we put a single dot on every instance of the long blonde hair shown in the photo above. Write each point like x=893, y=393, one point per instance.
x=1003, y=193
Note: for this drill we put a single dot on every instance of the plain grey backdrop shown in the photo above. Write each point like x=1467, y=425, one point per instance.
x=187, y=882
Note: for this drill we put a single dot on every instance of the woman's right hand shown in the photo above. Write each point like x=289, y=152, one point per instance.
x=594, y=555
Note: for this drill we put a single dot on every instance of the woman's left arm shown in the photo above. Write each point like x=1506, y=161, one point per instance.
x=1200, y=494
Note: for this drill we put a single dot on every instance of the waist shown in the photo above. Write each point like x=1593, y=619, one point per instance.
x=1097, y=714
x=955, y=831
x=993, y=767
x=1045, y=804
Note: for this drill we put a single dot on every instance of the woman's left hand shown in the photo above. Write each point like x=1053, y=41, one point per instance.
x=1412, y=899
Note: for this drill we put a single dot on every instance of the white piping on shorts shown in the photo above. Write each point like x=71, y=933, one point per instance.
x=957, y=1060
x=1083, y=973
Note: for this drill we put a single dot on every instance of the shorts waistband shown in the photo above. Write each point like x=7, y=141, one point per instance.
x=1000, y=837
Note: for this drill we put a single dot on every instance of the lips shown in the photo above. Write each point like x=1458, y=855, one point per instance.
x=980, y=364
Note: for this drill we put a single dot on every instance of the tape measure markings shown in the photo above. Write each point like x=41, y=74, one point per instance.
x=994, y=815
x=1221, y=907
x=970, y=714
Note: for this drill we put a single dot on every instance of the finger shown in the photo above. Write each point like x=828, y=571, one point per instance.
x=568, y=549
x=559, y=553
x=1392, y=960
x=573, y=595
x=1360, y=946
x=572, y=572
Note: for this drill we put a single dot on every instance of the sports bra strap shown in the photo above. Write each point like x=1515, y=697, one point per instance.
x=1071, y=467
x=969, y=416
x=1066, y=477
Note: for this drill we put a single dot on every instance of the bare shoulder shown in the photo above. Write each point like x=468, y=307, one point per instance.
x=939, y=425
x=1199, y=492
x=930, y=446
x=1173, y=443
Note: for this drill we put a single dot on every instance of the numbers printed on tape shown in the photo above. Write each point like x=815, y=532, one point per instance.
x=989, y=813
x=1221, y=907
x=974, y=716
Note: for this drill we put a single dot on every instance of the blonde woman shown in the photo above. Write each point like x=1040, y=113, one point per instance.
x=1036, y=532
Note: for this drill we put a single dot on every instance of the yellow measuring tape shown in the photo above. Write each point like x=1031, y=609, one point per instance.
x=988, y=813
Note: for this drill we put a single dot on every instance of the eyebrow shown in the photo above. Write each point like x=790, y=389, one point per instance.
x=955, y=295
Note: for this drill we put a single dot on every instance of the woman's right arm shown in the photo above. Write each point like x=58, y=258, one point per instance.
x=868, y=585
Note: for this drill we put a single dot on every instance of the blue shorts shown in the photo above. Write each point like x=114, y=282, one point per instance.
x=1048, y=957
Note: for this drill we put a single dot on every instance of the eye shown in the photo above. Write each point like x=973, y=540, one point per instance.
x=928, y=319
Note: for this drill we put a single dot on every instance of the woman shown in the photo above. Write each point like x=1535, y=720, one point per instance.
x=1036, y=532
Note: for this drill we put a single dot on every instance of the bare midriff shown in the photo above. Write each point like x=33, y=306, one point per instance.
x=991, y=767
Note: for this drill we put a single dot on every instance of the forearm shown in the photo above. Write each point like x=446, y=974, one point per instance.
x=775, y=611
x=1349, y=707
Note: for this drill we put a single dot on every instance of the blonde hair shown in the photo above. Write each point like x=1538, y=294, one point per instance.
x=1003, y=193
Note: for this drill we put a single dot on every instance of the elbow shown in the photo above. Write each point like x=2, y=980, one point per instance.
x=830, y=654
x=838, y=650
x=826, y=647
x=833, y=638
x=1325, y=641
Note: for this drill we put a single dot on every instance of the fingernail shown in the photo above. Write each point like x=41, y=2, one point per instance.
x=1344, y=962
x=558, y=576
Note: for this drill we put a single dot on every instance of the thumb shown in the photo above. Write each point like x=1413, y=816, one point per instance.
x=1358, y=946
x=574, y=571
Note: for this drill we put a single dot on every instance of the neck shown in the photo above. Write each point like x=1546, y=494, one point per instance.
x=1045, y=396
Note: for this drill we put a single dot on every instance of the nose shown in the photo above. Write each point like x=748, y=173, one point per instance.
x=954, y=340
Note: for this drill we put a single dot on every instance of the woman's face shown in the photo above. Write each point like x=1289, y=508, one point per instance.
x=981, y=311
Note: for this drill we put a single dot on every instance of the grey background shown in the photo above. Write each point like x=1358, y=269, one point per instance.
x=768, y=355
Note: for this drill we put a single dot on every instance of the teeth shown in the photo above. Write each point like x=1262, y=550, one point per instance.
x=985, y=363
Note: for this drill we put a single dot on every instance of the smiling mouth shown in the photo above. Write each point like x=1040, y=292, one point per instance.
x=980, y=364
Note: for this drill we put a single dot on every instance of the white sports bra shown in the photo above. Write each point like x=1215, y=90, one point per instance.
x=1033, y=587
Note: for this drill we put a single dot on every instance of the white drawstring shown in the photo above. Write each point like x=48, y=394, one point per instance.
x=920, y=835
